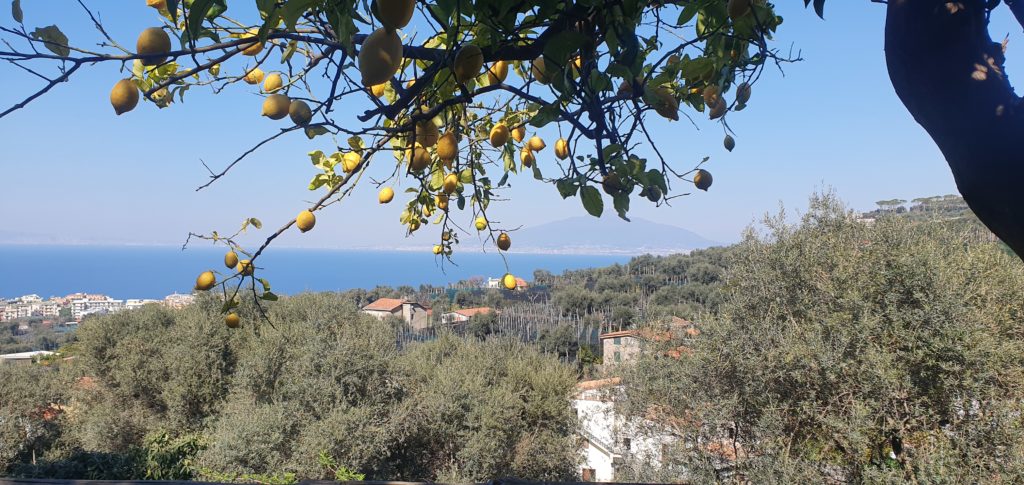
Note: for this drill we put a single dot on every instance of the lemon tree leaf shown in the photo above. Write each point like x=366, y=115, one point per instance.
x=566, y=188
x=54, y=39
x=256, y=223
x=315, y=131
x=16, y=12
x=592, y=202
x=621, y=203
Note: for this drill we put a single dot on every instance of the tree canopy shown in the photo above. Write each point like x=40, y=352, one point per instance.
x=455, y=101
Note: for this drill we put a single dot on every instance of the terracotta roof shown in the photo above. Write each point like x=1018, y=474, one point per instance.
x=598, y=384
x=384, y=304
x=469, y=312
x=620, y=333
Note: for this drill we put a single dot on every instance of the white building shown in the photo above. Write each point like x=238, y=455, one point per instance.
x=463, y=315
x=132, y=304
x=178, y=301
x=609, y=438
x=95, y=304
x=28, y=306
x=24, y=357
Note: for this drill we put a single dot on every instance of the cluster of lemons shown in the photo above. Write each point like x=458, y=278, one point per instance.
x=207, y=280
x=153, y=47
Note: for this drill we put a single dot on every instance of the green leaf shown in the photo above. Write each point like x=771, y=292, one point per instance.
x=592, y=200
x=563, y=45
x=265, y=283
x=689, y=11
x=566, y=187
x=536, y=172
x=621, y=202
x=611, y=150
x=268, y=296
x=356, y=143
x=293, y=10
x=289, y=51
x=172, y=8
x=256, y=223
x=314, y=131
x=545, y=115
x=466, y=176
x=16, y=12
x=54, y=39
x=202, y=9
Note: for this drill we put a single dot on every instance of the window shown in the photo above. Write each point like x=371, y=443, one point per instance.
x=618, y=357
x=617, y=340
x=626, y=443
x=588, y=474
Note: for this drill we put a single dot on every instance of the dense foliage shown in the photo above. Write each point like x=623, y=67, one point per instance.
x=325, y=393
x=852, y=351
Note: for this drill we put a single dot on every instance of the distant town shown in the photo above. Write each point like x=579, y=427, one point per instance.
x=76, y=306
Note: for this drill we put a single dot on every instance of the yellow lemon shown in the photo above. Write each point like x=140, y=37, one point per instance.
x=499, y=135
x=497, y=73
x=305, y=220
x=205, y=281
x=386, y=195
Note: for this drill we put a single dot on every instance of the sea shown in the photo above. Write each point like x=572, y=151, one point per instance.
x=157, y=271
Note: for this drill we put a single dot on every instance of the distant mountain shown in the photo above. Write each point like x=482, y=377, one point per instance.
x=607, y=235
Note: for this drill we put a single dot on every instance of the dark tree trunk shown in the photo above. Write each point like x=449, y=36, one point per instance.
x=949, y=73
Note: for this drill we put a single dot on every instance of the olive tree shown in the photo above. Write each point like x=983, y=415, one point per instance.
x=849, y=351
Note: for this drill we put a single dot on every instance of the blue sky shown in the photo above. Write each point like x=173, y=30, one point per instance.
x=73, y=170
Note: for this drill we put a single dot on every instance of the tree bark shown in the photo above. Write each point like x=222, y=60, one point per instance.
x=949, y=74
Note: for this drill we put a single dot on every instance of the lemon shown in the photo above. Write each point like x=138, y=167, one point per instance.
x=518, y=133
x=509, y=281
x=205, y=281
x=300, y=113
x=469, y=60
x=276, y=106
x=125, y=96
x=447, y=147
x=451, y=181
x=245, y=267
x=305, y=221
x=232, y=320
x=526, y=156
x=255, y=76
x=504, y=241
x=394, y=14
x=154, y=44
x=497, y=73
x=702, y=179
x=272, y=82
x=253, y=48
x=418, y=157
x=499, y=135
x=380, y=56
x=561, y=148
x=480, y=223
x=386, y=195
x=536, y=144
